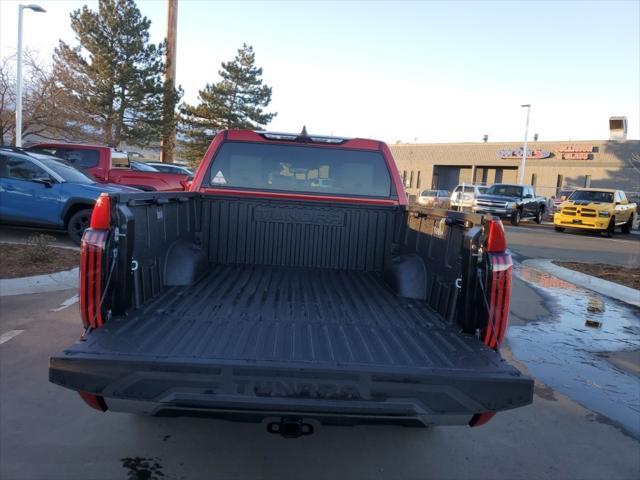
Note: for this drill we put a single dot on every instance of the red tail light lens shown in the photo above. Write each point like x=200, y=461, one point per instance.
x=496, y=240
x=94, y=401
x=101, y=216
x=499, y=295
x=481, y=418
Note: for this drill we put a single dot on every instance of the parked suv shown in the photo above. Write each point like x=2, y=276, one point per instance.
x=39, y=190
x=435, y=198
x=464, y=195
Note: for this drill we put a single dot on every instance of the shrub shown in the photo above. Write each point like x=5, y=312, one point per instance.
x=39, y=248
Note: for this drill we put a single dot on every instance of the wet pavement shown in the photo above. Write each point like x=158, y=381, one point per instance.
x=569, y=349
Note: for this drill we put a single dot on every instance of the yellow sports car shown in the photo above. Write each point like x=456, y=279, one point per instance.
x=596, y=209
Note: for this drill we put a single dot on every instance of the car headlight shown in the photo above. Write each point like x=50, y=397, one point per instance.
x=511, y=205
x=475, y=203
x=603, y=213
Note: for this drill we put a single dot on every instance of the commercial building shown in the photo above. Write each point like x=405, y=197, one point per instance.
x=613, y=163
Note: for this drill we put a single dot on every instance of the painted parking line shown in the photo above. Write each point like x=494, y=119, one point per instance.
x=5, y=337
x=66, y=304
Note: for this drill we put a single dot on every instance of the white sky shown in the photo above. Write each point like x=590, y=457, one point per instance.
x=410, y=71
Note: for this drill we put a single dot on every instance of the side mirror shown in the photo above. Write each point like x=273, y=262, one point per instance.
x=563, y=198
x=46, y=181
x=528, y=195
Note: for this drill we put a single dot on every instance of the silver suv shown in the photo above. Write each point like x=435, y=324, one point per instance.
x=464, y=199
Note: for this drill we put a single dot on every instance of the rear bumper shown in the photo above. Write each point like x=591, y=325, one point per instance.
x=254, y=393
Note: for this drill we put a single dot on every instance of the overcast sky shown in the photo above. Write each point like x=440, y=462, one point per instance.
x=409, y=71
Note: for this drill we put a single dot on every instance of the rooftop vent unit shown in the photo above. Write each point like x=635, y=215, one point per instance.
x=618, y=128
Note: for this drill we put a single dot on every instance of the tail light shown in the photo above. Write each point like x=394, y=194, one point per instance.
x=186, y=184
x=101, y=216
x=498, y=289
x=496, y=240
x=92, y=260
x=499, y=294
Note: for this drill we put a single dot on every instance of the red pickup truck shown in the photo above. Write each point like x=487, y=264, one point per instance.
x=293, y=286
x=106, y=165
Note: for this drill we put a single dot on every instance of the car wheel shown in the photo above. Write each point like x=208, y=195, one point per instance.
x=78, y=223
x=611, y=228
x=515, y=218
x=559, y=229
x=539, y=216
x=626, y=228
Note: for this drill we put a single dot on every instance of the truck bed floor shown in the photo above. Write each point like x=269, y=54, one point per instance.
x=294, y=315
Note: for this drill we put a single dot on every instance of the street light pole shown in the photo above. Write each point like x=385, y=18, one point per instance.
x=35, y=8
x=524, y=150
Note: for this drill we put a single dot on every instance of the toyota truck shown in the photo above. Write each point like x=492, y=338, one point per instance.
x=515, y=202
x=596, y=209
x=293, y=286
x=106, y=165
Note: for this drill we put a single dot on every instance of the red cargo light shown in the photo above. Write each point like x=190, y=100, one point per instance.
x=94, y=401
x=101, y=216
x=496, y=241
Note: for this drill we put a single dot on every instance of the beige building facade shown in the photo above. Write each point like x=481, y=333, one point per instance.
x=549, y=166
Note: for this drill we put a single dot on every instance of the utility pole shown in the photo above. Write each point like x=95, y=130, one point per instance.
x=168, y=141
x=524, y=150
x=35, y=8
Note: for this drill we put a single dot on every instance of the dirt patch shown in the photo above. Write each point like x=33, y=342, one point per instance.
x=627, y=276
x=17, y=261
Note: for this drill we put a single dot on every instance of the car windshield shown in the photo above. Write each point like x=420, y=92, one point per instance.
x=505, y=190
x=302, y=168
x=141, y=167
x=592, y=196
x=66, y=171
x=429, y=193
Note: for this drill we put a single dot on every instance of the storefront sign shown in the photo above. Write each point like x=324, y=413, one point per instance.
x=575, y=152
x=515, y=154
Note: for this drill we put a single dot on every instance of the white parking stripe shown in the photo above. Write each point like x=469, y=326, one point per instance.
x=67, y=303
x=5, y=337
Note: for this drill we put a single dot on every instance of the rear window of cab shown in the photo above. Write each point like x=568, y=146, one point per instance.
x=300, y=169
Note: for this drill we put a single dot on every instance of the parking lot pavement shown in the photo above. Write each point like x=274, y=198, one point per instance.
x=529, y=240
x=47, y=432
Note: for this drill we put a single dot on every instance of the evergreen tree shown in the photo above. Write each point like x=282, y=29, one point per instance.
x=114, y=75
x=236, y=101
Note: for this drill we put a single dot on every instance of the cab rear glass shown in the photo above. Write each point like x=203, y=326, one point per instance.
x=300, y=169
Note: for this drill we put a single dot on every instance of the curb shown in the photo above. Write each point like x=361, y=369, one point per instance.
x=604, y=287
x=51, y=282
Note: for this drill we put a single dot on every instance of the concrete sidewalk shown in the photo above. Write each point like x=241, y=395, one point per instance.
x=604, y=287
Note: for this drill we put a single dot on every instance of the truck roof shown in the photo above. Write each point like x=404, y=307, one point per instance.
x=608, y=190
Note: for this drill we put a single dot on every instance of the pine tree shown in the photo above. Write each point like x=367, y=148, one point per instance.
x=114, y=75
x=236, y=101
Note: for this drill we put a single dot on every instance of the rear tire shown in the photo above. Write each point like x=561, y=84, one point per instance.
x=516, y=217
x=559, y=229
x=539, y=215
x=77, y=224
x=626, y=228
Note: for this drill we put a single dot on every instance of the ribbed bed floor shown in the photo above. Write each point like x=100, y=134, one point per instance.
x=284, y=314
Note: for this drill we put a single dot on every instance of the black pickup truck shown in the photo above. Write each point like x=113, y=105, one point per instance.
x=515, y=202
x=293, y=286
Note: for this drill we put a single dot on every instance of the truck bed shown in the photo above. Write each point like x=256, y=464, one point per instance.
x=294, y=315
